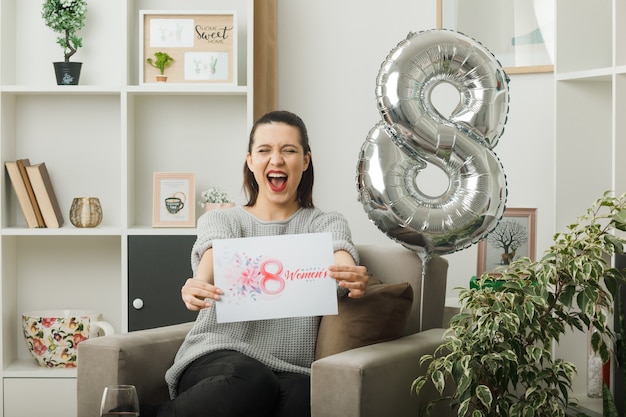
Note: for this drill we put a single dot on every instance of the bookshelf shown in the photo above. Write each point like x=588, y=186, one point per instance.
x=590, y=92
x=103, y=138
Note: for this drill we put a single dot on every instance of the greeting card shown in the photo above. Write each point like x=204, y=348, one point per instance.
x=274, y=277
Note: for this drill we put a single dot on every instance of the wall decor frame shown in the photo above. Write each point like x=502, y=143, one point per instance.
x=202, y=43
x=174, y=199
x=514, y=237
x=520, y=33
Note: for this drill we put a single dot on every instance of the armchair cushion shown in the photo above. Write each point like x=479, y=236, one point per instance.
x=380, y=315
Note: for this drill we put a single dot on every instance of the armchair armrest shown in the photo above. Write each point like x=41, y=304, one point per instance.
x=138, y=358
x=375, y=380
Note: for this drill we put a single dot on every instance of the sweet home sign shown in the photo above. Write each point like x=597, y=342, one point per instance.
x=203, y=45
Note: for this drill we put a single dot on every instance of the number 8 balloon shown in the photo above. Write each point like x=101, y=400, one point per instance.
x=413, y=134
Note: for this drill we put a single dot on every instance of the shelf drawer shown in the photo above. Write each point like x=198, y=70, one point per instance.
x=50, y=397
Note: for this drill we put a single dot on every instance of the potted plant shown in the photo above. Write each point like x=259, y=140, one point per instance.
x=214, y=198
x=497, y=351
x=162, y=61
x=66, y=17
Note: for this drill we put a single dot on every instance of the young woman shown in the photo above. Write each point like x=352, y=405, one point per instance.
x=258, y=368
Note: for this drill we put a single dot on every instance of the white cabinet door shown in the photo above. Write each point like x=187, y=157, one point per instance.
x=50, y=397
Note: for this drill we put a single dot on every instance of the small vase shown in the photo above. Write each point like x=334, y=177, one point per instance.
x=215, y=206
x=86, y=212
x=67, y=73
x=161, y=78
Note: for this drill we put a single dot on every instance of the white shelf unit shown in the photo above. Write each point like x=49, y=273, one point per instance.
x=590, y=134
x=103, y=138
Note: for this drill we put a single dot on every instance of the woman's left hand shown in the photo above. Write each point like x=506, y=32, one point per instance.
x=352, y=277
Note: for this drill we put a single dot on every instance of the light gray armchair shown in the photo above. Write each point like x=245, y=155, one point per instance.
x=369, y=381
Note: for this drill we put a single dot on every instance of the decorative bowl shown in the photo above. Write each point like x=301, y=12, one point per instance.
x=53, y=336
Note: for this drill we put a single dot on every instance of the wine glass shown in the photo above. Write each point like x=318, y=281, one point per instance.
x=119, y=400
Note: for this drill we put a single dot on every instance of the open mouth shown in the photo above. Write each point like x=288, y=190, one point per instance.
x=277, y=181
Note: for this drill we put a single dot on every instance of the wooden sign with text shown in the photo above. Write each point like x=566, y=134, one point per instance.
x=202, y=44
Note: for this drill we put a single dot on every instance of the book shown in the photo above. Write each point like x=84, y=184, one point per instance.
x=22, y=164
x=42, y=186
x=22, y=193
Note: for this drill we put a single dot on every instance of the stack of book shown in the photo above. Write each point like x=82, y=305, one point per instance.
x=35, y=193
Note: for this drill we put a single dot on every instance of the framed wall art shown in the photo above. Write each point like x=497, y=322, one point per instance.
x=202, y=44
x=520, y=33
x=513, y=238
x=174, y=199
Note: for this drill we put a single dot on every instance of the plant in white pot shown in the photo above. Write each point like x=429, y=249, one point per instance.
x=215, y=197
x=498, y=352
x=66, y=17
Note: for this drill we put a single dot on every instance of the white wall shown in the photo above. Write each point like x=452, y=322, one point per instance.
x=329, y=53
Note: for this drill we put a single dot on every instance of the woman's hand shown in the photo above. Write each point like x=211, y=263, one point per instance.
x=353, y=278
x=196, y=294
x=350, y=276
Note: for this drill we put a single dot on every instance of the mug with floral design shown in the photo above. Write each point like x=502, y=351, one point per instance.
x=53, y=336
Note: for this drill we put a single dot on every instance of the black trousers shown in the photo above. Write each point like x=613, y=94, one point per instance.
x=231, y=384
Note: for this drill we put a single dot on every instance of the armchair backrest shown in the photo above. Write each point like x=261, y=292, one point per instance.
x=394, y=264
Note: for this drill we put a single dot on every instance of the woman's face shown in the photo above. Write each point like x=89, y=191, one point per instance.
x=277, y=161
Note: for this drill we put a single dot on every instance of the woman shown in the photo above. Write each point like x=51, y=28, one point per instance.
x=258, y=368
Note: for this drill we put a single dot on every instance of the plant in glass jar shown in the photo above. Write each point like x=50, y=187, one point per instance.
x=498, y=351
x=162, y=61
x=66, y=17
x=215, y=197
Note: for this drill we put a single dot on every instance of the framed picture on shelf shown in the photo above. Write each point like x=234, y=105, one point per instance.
x=513, y=238
x=203, y=46
x=519, y=33
x=174, y=199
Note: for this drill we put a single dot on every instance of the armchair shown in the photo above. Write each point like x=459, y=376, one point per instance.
x=369, y=381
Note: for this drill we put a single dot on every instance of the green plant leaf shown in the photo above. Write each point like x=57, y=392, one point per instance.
x=439, y=381
x=464, y=407
x=464, y=384
x=567, y=296
x=484, y=395
x=417, y=384
x=608, y=403
x=528, y=411
x=529, y=310
x=620, y=220
x=615, y=242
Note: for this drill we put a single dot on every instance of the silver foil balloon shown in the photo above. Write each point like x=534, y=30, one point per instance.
x=413, y=134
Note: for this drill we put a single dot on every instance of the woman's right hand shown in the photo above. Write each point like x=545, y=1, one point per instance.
x=197, y=294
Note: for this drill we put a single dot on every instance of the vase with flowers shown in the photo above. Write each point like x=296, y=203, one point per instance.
x=66, y=17
x=215, y=198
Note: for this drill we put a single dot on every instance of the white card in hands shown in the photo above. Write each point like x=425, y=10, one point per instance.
x=274, y=277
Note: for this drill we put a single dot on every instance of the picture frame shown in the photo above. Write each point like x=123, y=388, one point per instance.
x=174, y=199
x=202, y=43
x=520, y=34
x=496, y=250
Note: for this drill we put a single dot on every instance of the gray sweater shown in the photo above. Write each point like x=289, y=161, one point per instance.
x=284, y=345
